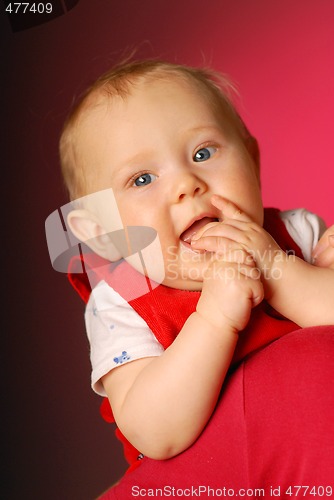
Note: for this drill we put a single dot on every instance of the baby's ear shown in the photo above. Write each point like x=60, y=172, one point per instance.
x=86, y=227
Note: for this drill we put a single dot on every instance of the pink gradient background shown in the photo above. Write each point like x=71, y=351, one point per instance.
x=280, y=55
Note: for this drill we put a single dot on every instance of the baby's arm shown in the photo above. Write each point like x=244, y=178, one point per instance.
x=304, y=294
x=298, y=290
x=162, y=404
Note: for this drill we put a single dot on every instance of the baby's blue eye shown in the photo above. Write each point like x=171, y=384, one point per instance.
x=204, y=154
x=144, y=179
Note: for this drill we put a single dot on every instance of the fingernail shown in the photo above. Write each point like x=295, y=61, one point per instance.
x=318, y=250
x=194, y=237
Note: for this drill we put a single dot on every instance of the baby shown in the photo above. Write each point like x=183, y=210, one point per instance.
x=168, y=146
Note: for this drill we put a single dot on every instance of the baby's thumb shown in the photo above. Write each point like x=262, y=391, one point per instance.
x=258, y=293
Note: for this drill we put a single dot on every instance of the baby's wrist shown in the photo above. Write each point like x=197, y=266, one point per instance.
x=273, y=273
x=215, y=323
x=272, y=265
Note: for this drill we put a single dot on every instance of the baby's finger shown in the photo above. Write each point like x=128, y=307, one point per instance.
x=249, y=277
x=326, y=240
x=204, y=229
x=251, y=272
x=237, y=255
x=258, y=292
x=208, y=238
x=325, y=258
x=253, y=280
x=232, y=252
x=331, y=240
x=228, y=209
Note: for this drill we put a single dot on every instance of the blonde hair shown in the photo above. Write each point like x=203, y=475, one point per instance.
x=118, y=82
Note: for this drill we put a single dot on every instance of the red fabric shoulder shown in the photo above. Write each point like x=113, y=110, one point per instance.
x=276, y=228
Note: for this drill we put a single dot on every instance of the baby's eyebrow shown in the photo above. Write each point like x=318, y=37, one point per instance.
x=204, y=128
x=210, y=128
x=136, y=160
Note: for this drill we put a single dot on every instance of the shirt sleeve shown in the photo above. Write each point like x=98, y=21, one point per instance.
x=305, y=228
x=116, y=334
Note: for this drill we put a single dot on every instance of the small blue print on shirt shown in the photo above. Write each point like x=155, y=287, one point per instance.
x=122, y=358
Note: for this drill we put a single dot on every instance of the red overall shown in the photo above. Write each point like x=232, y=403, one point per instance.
x=165, y=309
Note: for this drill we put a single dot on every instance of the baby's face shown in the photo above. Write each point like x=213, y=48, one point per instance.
x=164, y=153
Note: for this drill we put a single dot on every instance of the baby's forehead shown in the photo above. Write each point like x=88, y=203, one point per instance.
x=106, y=117
x=90, y=119
x=108, y=101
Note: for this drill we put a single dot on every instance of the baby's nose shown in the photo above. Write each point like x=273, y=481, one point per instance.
x=187, y=184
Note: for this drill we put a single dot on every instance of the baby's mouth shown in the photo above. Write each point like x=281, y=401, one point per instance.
x=187, y=235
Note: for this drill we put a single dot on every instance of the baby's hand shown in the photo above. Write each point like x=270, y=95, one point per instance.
x=237, y=232
x=323, y=253
x=231, y=288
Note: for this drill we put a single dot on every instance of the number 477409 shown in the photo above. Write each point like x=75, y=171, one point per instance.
x=316, y=491
x=25, y=7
